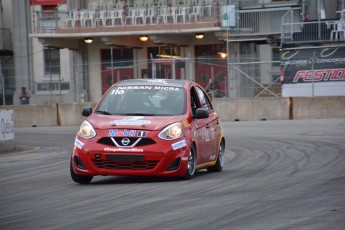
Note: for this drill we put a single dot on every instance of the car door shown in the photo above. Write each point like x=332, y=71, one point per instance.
x=207, y=130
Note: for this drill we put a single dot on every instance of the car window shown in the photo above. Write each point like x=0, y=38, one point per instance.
x=204, y=101
x=144, y=100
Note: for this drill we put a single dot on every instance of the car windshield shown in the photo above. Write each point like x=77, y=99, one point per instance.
x=143, y=100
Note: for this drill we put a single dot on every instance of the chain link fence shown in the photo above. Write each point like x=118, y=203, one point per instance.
x=252, y=78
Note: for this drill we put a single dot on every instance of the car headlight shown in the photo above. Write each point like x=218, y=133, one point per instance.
x=86, y=130
x=171, y=132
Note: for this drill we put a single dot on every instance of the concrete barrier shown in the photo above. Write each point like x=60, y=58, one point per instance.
x=7, y=131
x=34, y=115
x=318, y=107
x=229, y=109
x=248, y=109
x=48, y=115
x=70, y=114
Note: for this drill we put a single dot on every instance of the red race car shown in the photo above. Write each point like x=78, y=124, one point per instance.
x=149, y=127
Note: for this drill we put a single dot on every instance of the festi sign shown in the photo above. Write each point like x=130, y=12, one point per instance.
x=313, y=72
x=6, y=125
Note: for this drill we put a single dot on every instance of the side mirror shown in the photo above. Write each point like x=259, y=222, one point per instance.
x=201, y=113
x=86, y=111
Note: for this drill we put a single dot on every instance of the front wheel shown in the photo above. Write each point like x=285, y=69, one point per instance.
x=218, y=167
x=81, y=179
x=191, y=164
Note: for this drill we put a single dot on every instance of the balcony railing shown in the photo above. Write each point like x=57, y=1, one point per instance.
x=293, y=31
x=251, y=4
x=260, y=21
x=248, y=22
x=313, y=31
x=145, y=18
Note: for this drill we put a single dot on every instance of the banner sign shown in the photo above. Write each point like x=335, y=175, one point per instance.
x=6, y=125
x=320, y=71
x=228, y=16
x=318, y=65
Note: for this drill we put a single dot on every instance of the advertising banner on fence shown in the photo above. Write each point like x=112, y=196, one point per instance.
x=6, y=125
x=313, y=72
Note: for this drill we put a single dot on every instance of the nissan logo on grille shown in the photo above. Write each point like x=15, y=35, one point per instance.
x=125, y=141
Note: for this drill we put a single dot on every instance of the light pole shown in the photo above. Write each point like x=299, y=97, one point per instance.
x=111, y=65
x=50, y=76
x=313, y=73
x=3, y=86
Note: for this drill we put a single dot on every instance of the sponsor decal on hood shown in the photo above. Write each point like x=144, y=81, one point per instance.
x=136, y=121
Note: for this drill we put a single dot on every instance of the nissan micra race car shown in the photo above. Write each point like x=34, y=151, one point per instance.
x=149, y=127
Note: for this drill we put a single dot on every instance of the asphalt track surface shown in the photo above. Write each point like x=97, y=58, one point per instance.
x=278, y=175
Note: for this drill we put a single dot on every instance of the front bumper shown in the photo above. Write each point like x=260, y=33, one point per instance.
x=164, y=158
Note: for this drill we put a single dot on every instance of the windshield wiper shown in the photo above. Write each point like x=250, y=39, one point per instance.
x=140, y=114
x=103, y=112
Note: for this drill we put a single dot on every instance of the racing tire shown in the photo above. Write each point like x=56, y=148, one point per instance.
x=191, y=167
x=218, y=167
x=80, y=179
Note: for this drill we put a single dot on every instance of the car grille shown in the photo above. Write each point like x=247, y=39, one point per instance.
x=132, y=140
x=120, y=165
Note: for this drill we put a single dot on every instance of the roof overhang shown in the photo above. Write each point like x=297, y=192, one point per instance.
x=179, y=37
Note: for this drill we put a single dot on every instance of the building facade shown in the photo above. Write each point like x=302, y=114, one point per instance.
x=68, y=51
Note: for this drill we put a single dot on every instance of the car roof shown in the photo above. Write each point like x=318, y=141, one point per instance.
x=160, y=82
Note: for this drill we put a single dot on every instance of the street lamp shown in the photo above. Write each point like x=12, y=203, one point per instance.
x=88, y=40
x=144, y=38
x=199, y=36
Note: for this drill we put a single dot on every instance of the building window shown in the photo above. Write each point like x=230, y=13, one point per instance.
x=45, y=87
x=51, y=61
x=116, y=67
x=164, y=52
x=121, y=58
x=210, y=54
x=170, y=56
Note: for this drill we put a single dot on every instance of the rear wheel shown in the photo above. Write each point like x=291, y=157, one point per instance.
x=191, y=164
x=81, y=179
x=218, y=167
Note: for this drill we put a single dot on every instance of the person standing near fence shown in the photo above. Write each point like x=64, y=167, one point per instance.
x=24, y=97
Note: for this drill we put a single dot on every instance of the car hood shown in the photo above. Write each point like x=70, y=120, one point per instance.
x=134, y=122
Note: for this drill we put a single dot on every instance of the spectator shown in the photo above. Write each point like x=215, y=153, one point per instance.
x=24, y=97
x=212, y=88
